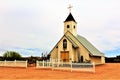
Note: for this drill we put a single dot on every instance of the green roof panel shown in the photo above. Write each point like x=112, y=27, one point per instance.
x=73, y=42
x=89, y=46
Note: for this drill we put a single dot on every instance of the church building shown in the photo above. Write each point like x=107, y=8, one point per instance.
x=74, y=47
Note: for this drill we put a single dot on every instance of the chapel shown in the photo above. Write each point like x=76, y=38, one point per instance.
x=74, y=47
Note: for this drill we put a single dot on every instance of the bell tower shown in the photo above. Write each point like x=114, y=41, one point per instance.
x=70, y=24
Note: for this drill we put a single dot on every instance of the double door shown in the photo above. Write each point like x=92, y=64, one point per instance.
x=65, y=56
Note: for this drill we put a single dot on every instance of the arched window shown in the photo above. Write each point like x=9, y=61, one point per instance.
x=64, y=43
x=68, y=26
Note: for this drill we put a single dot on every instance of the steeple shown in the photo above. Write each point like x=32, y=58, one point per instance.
x=70, y=24
x=70, y=18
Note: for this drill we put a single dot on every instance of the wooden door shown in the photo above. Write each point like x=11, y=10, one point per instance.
x=65, y=56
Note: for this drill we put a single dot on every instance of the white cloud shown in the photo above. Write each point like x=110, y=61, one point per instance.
x=39, y=23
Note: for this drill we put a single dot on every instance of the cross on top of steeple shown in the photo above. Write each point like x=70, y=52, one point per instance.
x=70, y=7
x=70, y=17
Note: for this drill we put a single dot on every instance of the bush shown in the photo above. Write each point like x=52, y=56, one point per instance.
x=11, y=55
x=1, y=58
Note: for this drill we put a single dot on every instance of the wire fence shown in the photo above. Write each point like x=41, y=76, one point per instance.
x=89, y=67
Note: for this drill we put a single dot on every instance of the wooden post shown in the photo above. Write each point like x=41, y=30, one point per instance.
x=71, y=66
x=36, y=63
x=58, y=64
x=26, y=63
x=52, y=65
x=5, y=63
x=93, y=67
x=43, y=63
x=15, y=63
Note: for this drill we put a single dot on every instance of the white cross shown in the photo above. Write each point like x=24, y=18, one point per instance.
x=69, y=8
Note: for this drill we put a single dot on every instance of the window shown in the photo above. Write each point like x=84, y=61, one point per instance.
x=64, y=43
x=56, y=46
x=68, y=26
x=81, y=58
x=74, y=27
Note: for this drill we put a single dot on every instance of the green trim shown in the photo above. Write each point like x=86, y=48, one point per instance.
x=73, y=42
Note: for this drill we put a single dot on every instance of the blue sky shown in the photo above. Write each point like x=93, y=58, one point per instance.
x=32, y=27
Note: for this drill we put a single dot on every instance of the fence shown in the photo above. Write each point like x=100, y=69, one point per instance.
x=13, y=63
x=43, y=64
x=89, y=67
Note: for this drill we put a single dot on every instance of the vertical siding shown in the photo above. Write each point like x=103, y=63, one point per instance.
x=96, y=60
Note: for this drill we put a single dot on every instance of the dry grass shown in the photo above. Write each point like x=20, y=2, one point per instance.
x=109, y=71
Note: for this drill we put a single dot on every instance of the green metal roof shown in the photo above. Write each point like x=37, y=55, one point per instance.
x=73, y=42
x=89, y=46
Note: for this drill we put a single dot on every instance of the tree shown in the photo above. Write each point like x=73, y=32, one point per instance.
x=12, y=55
x=48, y=57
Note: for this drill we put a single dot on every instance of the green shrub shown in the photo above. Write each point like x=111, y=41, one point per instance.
x=11, y=55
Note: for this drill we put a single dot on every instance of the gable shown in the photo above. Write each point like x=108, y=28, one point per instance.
x=69, y=39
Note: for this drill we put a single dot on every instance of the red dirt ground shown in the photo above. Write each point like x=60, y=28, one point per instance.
x=109, y=71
